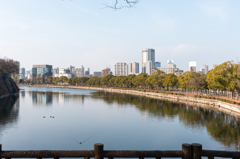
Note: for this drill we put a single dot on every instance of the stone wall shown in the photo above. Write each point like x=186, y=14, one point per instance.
x=7, y=86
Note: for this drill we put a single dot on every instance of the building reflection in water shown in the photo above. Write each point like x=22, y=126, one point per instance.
x=44, y=98
x=22, y=94
x=9, y=110
x=47, y=98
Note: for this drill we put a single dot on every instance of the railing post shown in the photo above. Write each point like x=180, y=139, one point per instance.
x=197, y=150
x=98, y=150
x=0, y=149
x=187, y=151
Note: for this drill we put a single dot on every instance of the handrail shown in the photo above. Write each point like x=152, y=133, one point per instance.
x=189, y=151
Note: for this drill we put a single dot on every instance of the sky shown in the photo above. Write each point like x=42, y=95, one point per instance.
x=83, y=32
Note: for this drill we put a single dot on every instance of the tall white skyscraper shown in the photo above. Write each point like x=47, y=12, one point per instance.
x=133, y=68
x=148, y=67
x=192, y=66
x=121, y=69
x=204, y=69
x=147, y=55
x=130, y=69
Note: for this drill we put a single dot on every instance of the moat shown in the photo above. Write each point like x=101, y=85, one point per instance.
x=58, y=118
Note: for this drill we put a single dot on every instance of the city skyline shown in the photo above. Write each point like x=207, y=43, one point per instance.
x=82, y=33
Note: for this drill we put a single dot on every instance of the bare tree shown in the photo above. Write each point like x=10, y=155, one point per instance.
x=7, y=66
x=116, y=5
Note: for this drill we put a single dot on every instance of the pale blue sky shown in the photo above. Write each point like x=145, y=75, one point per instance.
x=81, y=32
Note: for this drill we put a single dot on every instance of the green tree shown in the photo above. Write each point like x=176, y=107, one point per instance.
x=105, y=80
x=55, y=80
x=170, y=81
x=63, y=79
x=130, y=80
x=140, y=80
x=222, y=77
x=117, y=81
x=183, y=80
x=94, y=81
x=112, y=81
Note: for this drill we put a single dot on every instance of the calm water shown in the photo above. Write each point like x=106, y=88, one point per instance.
x=116, y=120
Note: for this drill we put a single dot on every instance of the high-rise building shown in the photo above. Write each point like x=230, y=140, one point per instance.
x=157, y=64
x=192, y=66
x=133, y=68
x=78, y=72
x=41, y=71
x=87, y=72
x=130, y=68
x=214, y=65
x=121, y=69
x=70, y=68
x=147, y=55
x=148, y=67
x=204, y=69
x=22, y=72
x=99, y=74
x=55, y=71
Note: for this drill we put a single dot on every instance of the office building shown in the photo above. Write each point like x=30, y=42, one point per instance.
x=22, y=72
x=171, y=68
x=78, y=72
x=148, y=55
x=41, y=71
x=70, y=68
x=68, y=75
x=121, y=69
x=27, y=73
x=63, y=72
x=55, y=71
x=204, y=69
x=178, y=72
x=87, y=72
x=148, y=67
x=99, y=74
x=133, y=68
x=192, y=66
x=157, y=64
x=106, y=72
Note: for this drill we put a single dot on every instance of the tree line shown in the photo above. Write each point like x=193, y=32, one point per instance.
x=224, y=77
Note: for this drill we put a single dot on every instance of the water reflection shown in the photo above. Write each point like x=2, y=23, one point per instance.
x=46, y=98
x=9, y=110
x=223, y=128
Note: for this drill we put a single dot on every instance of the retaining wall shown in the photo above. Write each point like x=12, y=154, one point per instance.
x=7, y=86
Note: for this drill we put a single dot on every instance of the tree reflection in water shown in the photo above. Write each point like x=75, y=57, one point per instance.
x=222, y=127
x=9, y=110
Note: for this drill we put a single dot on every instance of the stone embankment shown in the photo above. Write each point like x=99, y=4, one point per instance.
x=7, y=86
x=213, y=104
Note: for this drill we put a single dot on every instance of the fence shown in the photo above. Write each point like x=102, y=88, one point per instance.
x=189, y=151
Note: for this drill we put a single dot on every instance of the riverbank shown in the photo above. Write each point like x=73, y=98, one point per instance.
x=7, y=86
x=232, y=109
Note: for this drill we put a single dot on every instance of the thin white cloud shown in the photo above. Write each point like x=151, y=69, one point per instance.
x=18, y=25
x=215, y=9
x=185, y=49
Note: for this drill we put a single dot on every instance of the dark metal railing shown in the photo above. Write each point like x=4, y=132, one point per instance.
x=189, y=151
